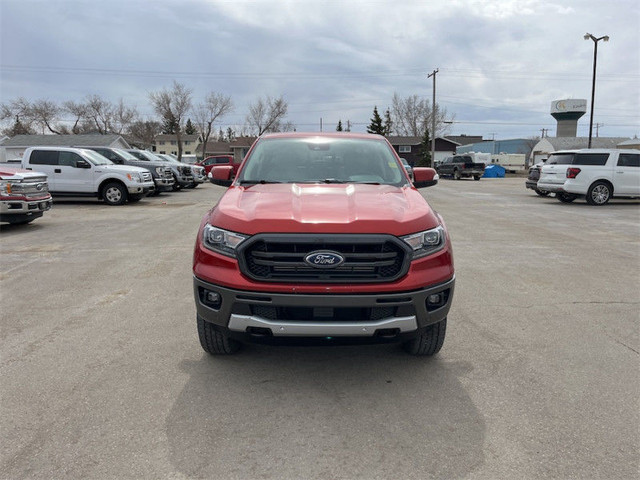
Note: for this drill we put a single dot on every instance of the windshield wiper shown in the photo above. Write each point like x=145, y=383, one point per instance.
x=256, y=182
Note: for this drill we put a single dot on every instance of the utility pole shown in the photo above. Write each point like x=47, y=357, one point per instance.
x=433, y=118
x=598, y=125
x=320, y=124
x=544, y=132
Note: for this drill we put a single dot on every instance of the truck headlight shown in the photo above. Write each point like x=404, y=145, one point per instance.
x=221, y=241
x=7, y=188
x=160, y=171
x=427, y=242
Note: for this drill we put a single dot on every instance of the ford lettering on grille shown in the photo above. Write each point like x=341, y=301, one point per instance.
x=324, y=259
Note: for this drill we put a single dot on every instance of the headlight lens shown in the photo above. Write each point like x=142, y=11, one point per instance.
x=427, y=242
x=221, y=241
x=160, y=171
x=6, y=188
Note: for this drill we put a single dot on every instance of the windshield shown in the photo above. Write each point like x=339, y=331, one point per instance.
x=124, y=154
x=96, y=158
x=322, y=160
x=167, y=158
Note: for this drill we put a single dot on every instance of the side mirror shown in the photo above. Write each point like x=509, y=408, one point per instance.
x=222, y=175
x=424, y=177
x=82, y=164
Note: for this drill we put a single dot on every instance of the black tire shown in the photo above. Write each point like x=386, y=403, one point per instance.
x=542, y=193
x=476, y=177
x=565, y=197
x=135, y=198
x=429, y=342
x=599, y=193
x=176, y=185
x=456, y=174
x=114, y=193
x=213, y=342
x=191, y=185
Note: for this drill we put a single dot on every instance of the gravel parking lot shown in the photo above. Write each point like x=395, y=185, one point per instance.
x=103, y=377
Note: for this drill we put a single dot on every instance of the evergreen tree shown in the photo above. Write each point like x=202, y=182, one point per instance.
x=189, y=129
x=231, y=134
x=425, y=150
x=388, y=124
x=339, y=127
x=170, y=126
x=376, y=123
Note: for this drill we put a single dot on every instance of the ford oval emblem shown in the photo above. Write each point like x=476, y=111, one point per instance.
x=324, y=259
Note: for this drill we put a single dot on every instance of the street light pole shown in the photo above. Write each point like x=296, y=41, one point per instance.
x=593, y=82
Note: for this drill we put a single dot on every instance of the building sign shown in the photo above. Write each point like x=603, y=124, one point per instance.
x=569, y=105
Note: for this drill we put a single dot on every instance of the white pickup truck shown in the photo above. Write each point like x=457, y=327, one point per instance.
x=83, y=172
x=24, y=195
x=595, y=174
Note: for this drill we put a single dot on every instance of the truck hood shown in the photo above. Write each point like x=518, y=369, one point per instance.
x=122, y=168
x=334, y=208
x=12, y=173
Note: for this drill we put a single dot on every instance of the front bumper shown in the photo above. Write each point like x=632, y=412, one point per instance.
x=20, y=210
x=164, y=184
x=249, y=315
x=142, y=188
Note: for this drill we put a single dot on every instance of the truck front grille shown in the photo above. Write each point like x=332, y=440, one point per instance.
x=146, y=176
x=281, y=258
x=34, y=188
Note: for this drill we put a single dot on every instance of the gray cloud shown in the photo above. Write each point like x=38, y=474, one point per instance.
x=501, y=63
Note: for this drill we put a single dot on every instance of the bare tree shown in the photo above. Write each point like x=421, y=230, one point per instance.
x=411, y=115
x=145, y=131
x=45, y=113
x=99, y=113
x=266, y=115
x=173, y=103
x=79, y=111
x=122, y=117
x=18, y=112
x=215, y=106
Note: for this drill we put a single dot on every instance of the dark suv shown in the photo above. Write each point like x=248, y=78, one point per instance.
x=162, y=176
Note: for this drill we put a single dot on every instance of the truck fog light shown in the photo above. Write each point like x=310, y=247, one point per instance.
x=211, y=299
x=434, y=299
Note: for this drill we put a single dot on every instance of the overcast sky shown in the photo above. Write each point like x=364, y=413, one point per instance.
x=501, y=63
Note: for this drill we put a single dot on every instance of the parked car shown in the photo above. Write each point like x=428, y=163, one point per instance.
x=561, y=156
x=199, y=175
x=214, y=160
x=162, y=176
x=83, y=172
x=407, y=167
x=461, y=166
x=182, y=174
x=24, y=195
x=351, y=253
x=197, y=171
x=594, y=174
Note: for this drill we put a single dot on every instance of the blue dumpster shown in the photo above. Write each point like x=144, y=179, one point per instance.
x=493, y=171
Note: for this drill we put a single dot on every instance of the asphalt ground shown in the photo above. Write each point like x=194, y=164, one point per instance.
x=102, y=375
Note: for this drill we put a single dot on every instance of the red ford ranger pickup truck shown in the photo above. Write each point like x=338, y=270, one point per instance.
x=322, y=238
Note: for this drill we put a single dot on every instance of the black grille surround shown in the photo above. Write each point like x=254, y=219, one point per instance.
x=280, y=257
